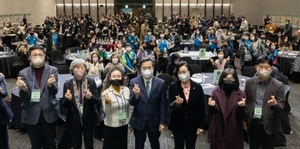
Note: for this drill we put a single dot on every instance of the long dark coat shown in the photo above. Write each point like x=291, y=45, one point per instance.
x=227, y=125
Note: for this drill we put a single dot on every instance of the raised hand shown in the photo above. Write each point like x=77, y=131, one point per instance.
x=242, y=103
x=178, y=100
x=51, y=80
x=106, y=98
x=20, y=83
x=88, y=94
x=199, y=130
x=136, y=90
x=272, y=101
x=68, y=95
x=211, y=102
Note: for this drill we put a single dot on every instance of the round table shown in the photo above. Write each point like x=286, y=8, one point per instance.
x=208, y=86
x=20, y=42
x=284, y=62
x=6, y=61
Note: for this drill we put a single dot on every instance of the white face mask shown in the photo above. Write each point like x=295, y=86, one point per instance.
x=264, y=73
x=220, y=56
x=273, y=47
x=37, y=61
x=119, y=45
x=268, y=43
x=252, y=38
x=184, y=77
x=232, y=38
x=246, y=38
x=162, y=35
x=149, y=33
x=128, y=49
x=115, y=60
x=147, y=73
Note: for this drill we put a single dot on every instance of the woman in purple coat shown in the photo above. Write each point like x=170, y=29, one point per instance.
x=227, y=105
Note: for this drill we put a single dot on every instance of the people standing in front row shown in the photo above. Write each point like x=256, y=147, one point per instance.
x=265, y=101
x=80, y=99
x=188, y=116
x=38, y=85
x=148, y=96
x=116, y=106
x=227, y=107
x=5, y=116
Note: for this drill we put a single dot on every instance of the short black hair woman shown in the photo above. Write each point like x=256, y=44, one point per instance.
x=80, y=99
x=188, y=116
x=227, y=106
x=115, y=98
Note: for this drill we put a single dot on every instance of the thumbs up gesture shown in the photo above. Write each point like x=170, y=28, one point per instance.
x=211, y=102
x=178, y=100
x=51, y=80
x=272, y=101
x=242, y=103
x=68, y=95
x=88, y=94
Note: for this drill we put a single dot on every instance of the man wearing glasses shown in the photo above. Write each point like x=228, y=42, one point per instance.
x=38, y=85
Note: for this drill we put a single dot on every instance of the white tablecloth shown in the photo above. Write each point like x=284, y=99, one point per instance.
x=195, y=55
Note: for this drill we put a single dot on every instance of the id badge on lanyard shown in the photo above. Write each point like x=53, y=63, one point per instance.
x=35, y=93
x=257, y=112
x=122, y=115
x=81, y=109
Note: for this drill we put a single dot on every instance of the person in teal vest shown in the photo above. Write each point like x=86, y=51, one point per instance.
x=129, y=60
x=163, y=46
x=133, y=41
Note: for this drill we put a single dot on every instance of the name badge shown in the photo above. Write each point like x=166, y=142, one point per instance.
x=257, y=112
x=35, y=95
x=81, y=109
x=122, y=117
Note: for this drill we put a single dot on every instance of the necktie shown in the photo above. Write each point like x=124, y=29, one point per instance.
x=148, y=87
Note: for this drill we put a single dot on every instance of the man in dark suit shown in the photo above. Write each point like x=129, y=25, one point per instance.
x=38, y=85
x=5, y=115
x=148, y=96
x=265, y=100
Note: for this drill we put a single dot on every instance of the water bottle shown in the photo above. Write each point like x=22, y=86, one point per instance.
x=203, y=78
x=186, y=49
x=215, y=52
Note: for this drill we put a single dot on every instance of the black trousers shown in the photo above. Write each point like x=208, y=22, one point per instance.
x=115, y=137
x=188, y=139
x=42, y=134
x=3, y=137
x=259, y=138
x=88, y=135
x=140, y=137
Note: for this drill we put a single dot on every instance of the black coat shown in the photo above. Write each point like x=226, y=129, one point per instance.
x=90, y=116
x=189, y=116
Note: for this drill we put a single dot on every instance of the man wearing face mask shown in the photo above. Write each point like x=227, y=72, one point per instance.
x=149, y=36
x=32, y=38
x=163, y=46
x=265, y=101
x=148, y=96
x=158, y=29
x=38, y=85
x=133, y=40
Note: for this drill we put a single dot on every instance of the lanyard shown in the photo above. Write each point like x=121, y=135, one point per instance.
x=33, y=79
x=123, y=101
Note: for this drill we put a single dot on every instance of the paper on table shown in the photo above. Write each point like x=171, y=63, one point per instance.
x=207, y=85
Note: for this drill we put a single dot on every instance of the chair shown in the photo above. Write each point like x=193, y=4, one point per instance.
x=195, y=68
x=284, y=116
x=249, y=71
x=63, y=69
x=187, y=59
x=166, y=77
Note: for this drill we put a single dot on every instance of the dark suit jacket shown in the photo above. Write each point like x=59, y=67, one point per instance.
x=5, y=112
x=189, y=116
x=48, y=101
x=270, y=114
x=153, y=109
x=90, y=115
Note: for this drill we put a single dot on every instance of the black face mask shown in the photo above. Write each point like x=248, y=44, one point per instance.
x=116, y=82
x=228, y=86
x=31, y=33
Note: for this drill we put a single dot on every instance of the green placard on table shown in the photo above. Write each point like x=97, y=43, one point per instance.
x=85, y=54
x=217, y=74
x=202, y=53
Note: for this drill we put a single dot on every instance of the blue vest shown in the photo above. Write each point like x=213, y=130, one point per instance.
x=162, y=44
x=32, y=40
x=196, y=41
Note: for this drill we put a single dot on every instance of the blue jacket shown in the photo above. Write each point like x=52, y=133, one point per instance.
x=31, y=39
x=152, y=108
x=5, y=112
